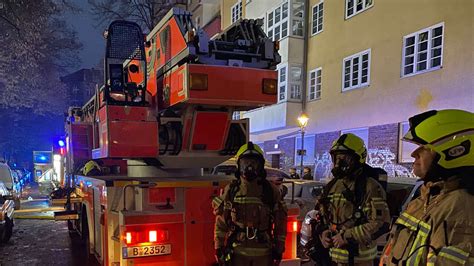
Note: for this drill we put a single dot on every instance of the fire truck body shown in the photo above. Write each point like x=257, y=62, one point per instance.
x=153, y=132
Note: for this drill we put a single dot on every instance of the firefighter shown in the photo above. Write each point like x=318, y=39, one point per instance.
x=353, y=207
x=437, y=228
x=251, y=217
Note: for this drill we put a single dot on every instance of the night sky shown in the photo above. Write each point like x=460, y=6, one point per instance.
x=89, y=34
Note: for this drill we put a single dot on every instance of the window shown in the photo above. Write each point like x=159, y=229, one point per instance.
x=277, y=27
x=317, y=25
x=356, y=71
x=315, y=84
x=405, y=148
x=354, y=7
x=295, y=83
x=309, y=146
x=297, y=17
x=423, y=50
x=236, y=12
x=282, y=84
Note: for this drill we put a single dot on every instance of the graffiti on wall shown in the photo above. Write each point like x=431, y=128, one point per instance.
x=383, y=158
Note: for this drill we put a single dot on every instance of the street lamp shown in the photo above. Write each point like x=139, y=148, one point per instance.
x=302, y=122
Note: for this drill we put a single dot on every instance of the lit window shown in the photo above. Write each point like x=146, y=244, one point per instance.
x=423, y=50
x=317, y=25
x=354, y=7
x=315, y=84
x=356, y=71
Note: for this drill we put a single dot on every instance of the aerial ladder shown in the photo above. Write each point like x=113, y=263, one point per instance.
x=163, y=115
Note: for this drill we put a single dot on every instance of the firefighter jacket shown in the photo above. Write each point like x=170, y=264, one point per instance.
x=437, y=228
x=245, y=222
x=358, y=222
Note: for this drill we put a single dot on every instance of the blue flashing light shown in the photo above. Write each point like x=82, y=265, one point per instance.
x=61, y=143
x=43, y=158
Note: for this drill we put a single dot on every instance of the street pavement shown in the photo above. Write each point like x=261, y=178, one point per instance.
x=39, y=240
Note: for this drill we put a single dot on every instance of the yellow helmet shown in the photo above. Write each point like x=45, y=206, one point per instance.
x=91, y=168
x=250, y=149
x=350, y=143
x=449, y=133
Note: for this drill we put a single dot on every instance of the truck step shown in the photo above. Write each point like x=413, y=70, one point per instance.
x=66, y=215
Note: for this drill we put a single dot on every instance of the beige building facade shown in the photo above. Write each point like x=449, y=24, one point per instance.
x=371, y=64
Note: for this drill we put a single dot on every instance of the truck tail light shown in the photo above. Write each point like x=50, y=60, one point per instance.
x=269, y=86
x=144, y=235
x=152, y=236
x=292, y=226
x=198, y=82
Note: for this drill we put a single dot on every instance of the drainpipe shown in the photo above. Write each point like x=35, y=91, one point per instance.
x=304, y=76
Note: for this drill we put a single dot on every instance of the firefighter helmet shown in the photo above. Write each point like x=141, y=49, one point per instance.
x=449, y=133
x=250, y=150
x=350, y=143
x=91, y=168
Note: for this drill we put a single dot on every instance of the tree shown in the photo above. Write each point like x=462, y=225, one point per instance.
x=147, y=13
x=37, y=47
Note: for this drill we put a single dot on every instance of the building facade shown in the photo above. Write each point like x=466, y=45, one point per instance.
x=206, y=15
x=81, y=85
x=370, y=65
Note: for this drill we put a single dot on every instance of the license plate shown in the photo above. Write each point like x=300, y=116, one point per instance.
x=145, y=251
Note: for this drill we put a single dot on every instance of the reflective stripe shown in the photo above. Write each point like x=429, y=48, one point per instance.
x=358, y=233
x=454, y=254
x=217, y=201
x=431, y=259
x=343, y=254
x=251, y=252
x=408, y=221
x=248, y=200
x=416, y=251
x=219, y=233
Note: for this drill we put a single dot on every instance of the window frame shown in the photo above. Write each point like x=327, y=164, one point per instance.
x=355, y=12
x=318, y=5
x=429, y=52
x=239, y=10
x=278, y=24
x=293, y=82
x=310, y=87
x=307, y=159
x=351, y=58
x=283, y=83
x=295, y=18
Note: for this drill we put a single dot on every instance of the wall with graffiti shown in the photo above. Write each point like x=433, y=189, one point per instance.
x=383, y=158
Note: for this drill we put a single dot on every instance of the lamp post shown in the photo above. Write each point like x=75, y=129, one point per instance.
x=302, y=122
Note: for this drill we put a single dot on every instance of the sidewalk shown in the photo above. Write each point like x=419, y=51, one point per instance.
x=35, y=205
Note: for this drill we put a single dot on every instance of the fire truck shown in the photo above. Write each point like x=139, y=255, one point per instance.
x=164, y=115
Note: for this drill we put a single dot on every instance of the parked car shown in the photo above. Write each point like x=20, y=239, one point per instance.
x=7, y=208
x=7, y=177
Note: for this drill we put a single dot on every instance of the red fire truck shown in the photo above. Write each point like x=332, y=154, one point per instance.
x=164, y=115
